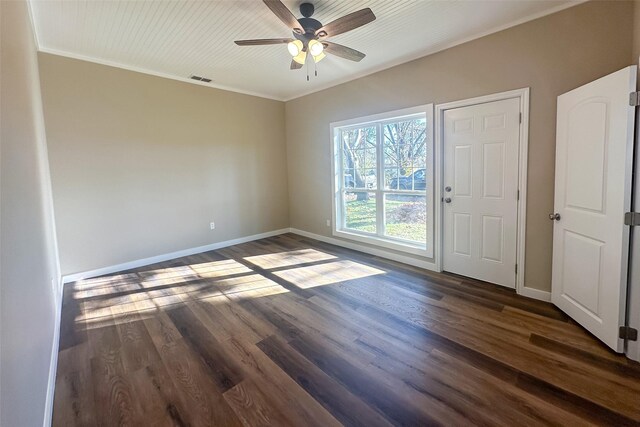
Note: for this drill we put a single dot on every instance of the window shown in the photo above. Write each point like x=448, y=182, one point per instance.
x=383, y=183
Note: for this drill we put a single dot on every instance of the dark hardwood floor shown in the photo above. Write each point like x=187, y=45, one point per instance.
x=291, y=331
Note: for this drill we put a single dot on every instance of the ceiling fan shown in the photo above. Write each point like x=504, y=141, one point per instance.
x=309, y=34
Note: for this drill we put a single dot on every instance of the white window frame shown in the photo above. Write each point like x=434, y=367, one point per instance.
x=428, y=249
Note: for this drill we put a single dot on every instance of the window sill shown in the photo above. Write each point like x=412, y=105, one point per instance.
x=416, y=249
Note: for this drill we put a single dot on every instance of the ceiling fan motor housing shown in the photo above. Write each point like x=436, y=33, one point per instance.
x=310, y=26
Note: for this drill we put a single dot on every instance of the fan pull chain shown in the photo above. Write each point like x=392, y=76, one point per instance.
x=307, y=61
x=315, y=67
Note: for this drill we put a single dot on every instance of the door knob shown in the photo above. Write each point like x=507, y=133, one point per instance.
x=447, y=200
x=554, y=217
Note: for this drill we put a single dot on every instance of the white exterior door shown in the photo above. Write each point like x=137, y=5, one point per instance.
x=594, y=159
x=480, y=190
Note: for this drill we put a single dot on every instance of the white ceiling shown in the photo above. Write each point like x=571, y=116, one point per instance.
x=179, y=38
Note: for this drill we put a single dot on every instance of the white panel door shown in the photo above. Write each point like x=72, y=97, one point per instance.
x=480, y=190
x=594, y=159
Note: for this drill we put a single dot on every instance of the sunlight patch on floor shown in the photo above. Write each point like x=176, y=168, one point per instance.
x=127, y=297
x=104, y=310
x=88, y=288
x=227, y=267
x=290, y=258
x=326, y=274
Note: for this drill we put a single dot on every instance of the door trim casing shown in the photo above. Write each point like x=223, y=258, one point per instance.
x=523, y=96
x=632, y=348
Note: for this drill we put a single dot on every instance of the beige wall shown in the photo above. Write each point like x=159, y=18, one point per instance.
x=140, y=165
x=29, y=274
x=550, y=55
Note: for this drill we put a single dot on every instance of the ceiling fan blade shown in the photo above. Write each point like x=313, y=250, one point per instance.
x=285, y=15
x=343, y=51
x=346, y=23
x=295, y=65
x=259, y=42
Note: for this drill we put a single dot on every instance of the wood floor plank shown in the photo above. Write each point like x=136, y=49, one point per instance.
x=162, y=405
x=282, y=390
x=291, y=331
x=195, y=387
x=138, y=350
x=71, y=332
x=383, y=393
x=284, y=327
x=569, y=333
x=115, y=401
x=299, y=313
x=252, y=407
x=615, y=367
x=74, y=403
x=507, y=404
x=346, y=407
x=221, y=368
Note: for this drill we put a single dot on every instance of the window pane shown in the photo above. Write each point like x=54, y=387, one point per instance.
x=391, y=181
x=358, y=156
x=348, y=178
x=371, y=155
x=406, y=217
x=404, y=147
x=418, y=179
x=360, y=211
x=370, y=178
x=359, y=153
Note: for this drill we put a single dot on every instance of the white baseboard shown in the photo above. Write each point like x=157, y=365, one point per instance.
x=525, y=291
x=427, y=265
x=165, y=257
x=53, y=366
x=535, y=293
x=372, y=251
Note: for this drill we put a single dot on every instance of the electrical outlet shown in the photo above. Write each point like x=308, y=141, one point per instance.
x=328, y=223
x=212, y=225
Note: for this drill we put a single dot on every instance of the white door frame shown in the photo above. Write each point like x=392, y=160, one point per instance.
x=523, y=96
x=632, y=349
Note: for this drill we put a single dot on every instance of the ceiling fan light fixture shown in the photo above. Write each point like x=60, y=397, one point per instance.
x=318, y=58
x=301, y=57
x=295, y=48
x=315, y=47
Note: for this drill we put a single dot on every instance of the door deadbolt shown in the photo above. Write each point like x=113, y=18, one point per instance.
x=447, y=189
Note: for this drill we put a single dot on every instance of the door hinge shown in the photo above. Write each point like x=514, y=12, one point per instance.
x=516, y=268
x=632, y=219
x=518, y=195
x=520, y=118
x=634, y=99
x=628, y=333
